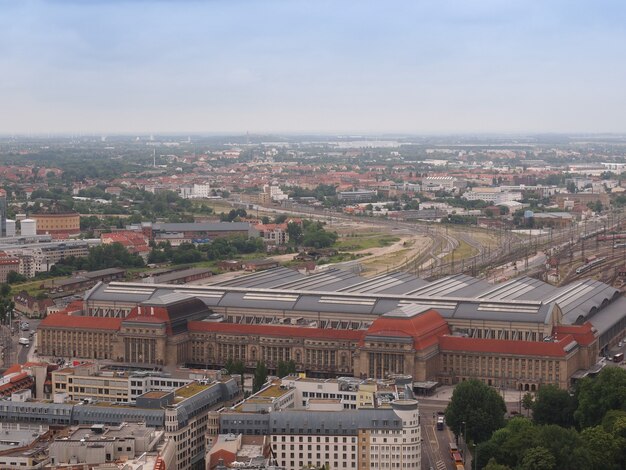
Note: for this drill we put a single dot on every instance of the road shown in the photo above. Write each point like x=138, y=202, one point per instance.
x=12, y=350
x=435, y=444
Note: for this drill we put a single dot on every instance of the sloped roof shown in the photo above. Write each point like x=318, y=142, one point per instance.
x=423, y=327
x=281, y=331
x=63, y=320
x=507, y=347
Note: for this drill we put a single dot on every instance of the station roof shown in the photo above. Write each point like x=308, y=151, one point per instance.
x=334, y=291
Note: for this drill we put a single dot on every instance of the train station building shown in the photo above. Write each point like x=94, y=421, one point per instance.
x=519, y=334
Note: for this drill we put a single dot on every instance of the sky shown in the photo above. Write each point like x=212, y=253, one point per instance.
x=290, y=66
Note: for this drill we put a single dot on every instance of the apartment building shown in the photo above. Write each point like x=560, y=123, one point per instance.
x=320, y=432
x=47, y=254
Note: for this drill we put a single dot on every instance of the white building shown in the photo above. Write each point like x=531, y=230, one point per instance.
x=436, y=183
x=201, y=190
x=492, y=195
x=28, y=227
x=276, y=194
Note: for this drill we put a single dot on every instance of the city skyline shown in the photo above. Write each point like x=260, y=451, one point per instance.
x=282, y=67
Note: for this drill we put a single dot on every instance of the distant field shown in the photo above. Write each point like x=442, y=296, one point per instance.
x=216, y=204
x=365, y=241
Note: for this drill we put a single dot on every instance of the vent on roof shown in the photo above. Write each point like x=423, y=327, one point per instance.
x=200, y=293
x=430, y=304
x=346, y=301
x=508, y=308
x=274, y=297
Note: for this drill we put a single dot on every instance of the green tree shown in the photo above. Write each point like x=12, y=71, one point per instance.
x=236, y=367
x=527, y=402
x=479, y=406
x=286, y=368
x=601, y=449
x=13, y=277
x=294, y=230
x=494, y=465
x=260, y=377
x=614, y=422
x=596, y=396
x=538, y=458
x=564, y=444
x=519, y=435
x=6, y=302
x=554, y=406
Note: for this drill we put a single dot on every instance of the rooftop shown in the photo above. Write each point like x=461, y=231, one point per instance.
x=190, y=390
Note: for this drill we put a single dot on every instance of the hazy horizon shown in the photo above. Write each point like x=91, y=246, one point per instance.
x=317, y=68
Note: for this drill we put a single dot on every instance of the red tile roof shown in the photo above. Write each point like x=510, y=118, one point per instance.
x=424, y=328
x=583, y=334
x=284, y=331
x=221, y=454
x=16, y=383
x=62, y=320
x=505, y=347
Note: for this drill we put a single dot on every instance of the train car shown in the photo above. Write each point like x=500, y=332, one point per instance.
x=611, y=237
x=588, y=266
x=586, y=236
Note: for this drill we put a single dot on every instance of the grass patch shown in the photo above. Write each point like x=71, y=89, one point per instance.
x=462, y=251
x=34, y=288
x=365, y=242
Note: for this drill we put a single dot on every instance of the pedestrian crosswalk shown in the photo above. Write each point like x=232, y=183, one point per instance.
x=441, y=465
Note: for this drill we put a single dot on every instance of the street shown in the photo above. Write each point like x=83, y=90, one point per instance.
x=12, y=351
x=435, y=444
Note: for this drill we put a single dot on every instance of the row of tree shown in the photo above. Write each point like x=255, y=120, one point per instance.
x=113, y=255
x=582, y=429
x=218, y=249
x=259, y=378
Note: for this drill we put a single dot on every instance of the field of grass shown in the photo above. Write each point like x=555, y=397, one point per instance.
x=33, y=287
x=364, y=241
x=216, y=204
x=462, y=251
